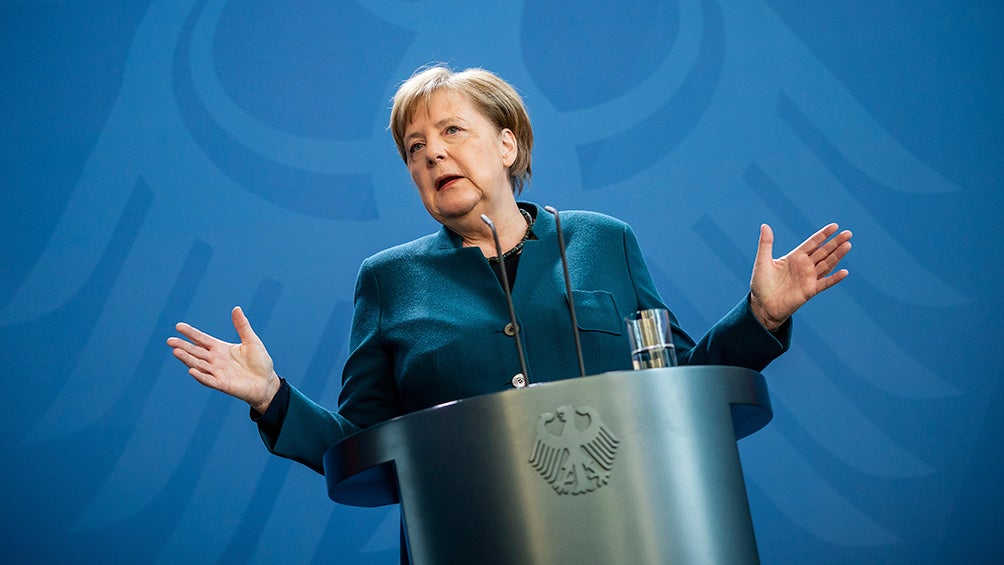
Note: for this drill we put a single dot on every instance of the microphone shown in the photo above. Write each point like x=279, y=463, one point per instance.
x=517, y=381
x=568, y=289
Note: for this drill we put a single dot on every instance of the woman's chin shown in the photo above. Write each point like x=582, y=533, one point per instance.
x=454, y=205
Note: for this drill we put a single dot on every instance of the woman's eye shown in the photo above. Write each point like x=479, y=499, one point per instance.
x=415, y=147
x=452, y=130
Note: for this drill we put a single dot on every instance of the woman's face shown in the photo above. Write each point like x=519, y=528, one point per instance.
x=458, y=159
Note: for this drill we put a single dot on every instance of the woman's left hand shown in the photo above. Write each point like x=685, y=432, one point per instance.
x=781, y=286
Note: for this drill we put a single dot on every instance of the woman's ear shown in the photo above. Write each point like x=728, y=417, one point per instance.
x=510, y=149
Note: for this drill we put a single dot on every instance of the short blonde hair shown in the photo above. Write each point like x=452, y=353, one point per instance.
x=495, y=98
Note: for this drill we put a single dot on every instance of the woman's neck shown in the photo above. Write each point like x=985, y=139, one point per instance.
x=509, y=222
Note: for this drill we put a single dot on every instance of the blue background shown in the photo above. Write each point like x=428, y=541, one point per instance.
x=166, y=160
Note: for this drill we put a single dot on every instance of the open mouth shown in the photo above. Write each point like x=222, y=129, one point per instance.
x=444, y=180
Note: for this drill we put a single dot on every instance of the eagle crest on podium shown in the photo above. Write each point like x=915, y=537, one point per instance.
x=574, y=451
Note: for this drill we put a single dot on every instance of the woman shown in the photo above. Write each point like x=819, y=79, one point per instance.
x=430, y=322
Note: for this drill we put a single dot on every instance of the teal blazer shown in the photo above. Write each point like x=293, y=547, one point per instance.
x=430, y=316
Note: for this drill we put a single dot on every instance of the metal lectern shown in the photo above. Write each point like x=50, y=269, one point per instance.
x=621, y=467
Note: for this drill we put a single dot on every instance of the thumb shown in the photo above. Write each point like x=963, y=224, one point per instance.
x=765, y=248
x=243, y=326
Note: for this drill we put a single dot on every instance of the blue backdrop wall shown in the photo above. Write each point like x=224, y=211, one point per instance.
x=166, y=160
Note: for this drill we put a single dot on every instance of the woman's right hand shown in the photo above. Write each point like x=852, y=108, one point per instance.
x=243, y=370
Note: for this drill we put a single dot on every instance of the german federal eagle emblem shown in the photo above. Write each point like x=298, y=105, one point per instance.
x=575, y=451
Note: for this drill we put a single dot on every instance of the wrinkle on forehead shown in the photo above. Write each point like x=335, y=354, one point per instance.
x=422, y=108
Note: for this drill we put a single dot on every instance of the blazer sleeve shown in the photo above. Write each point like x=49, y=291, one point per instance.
x=307, y=431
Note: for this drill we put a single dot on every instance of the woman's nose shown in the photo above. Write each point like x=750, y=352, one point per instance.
x=434, y=151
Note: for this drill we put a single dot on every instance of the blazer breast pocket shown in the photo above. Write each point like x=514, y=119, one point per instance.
x=596, y=311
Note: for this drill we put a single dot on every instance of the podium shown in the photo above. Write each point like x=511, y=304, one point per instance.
x=621, y=467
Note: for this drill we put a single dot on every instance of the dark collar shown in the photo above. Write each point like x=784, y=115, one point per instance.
x=543, y=227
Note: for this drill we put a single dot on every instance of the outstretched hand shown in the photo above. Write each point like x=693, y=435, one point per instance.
x=243, y=370
x=781, y=286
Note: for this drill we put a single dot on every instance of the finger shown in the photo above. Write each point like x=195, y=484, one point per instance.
x=205, y=379
x=178, y=342
x=815, y=240
x=196, y=336
x=831, y=280
x=765, y=247
x=243, y=326
x=823, y=251
x=830, y=261
x=192, y=349
x=192, y=362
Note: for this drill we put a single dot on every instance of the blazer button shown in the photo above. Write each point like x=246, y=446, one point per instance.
x=519, y=381
x=510, y=329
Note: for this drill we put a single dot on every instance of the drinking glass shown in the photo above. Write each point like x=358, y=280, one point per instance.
x=651, y=339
